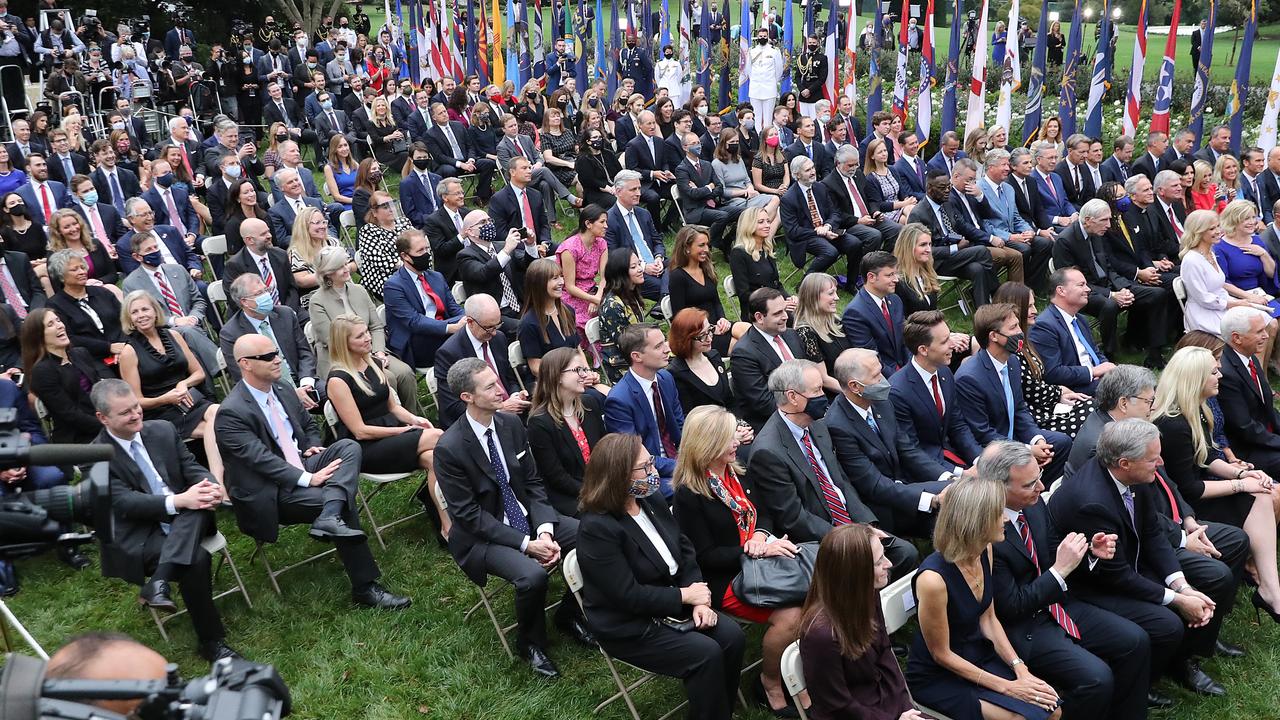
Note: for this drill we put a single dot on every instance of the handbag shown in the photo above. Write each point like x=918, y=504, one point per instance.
x=776, y=581
x=679, y=624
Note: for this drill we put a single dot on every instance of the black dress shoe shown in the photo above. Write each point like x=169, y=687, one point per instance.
x=71, y=555
x=376, y=596
x=215, y=650
x=1226, y=649
x=1158, y=701
x=576, y=628
x=541, y=663
x=762, y=699
x=156, y=595
x=1197, y=680
x=328, y=528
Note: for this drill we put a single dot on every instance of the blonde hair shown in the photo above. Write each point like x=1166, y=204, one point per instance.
x=341, y=356
x=300, y=243
x=905, y=251
x=1193, y=233
x=808, y=314
x=976, y=145
x=1201, y=172
x=745, y=236
x=1179, y=393
x=272, y=145
x=1235, y=214
x=708, y=430
x=969, y=519
x=126, y=324
x=1218, y=180
x=58, y=242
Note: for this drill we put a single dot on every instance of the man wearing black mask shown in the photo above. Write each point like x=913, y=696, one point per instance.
x=811, y=73
x=637, y=65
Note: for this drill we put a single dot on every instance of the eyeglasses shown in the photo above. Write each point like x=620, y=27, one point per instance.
x=486, y=328
x=703, y=336
x=1149, y=401
x=649, y=466
x=580, y=371
x=264, y=357
x=384, y=205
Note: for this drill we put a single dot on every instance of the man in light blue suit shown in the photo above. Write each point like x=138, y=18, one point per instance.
x=1008, y=224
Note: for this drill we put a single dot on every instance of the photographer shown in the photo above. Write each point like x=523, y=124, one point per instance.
x=57, y=41
x=68, y=80
x=92, y=32
x=225, y=74
x=16, y=43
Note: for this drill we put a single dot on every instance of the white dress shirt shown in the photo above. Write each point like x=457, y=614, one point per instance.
x=480, y=431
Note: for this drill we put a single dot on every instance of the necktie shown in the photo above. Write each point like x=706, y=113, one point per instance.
x=813, y=208
x=1173, y=503
x=283, y=113
x=1257, y=199
x=915, y=162
x=871, y=420
x=1124, y=170
x=457, y=220
x=431, y=295
x=653, y=153
x=170, y=298
x=1008, y=398
x=1052, y=191
x=488, y=359
x=508, y=295
x=46, y=203
x=88, y=310
x=154, y=483
x=950, y=167
x=510, y=506
x=174, y=218
x=269, y=279
x=453, y=142
x=1173, y=220
x=860, y=207
x=660, y=413
x=1127, y=496
x=520, y=148
x=283, y=434
x=1075, y=178
x=783, y=350
x=95, y=222
x=1124, y=230
x=333, y=122
x=68, y=168
x=835, y=506
x=944, y=218
x=1055, y=609
x=808, y=150
x=888, y=323
x=117, y=195
x=286, y=372
x=11, y=295
x=937, y=395
x=526, y=212
x=1084, y=341
x=637, y=239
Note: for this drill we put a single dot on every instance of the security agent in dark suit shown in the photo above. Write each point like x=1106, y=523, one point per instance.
x=865, y=435
x=1098, y=660
x=249, y=261
x=702, y=194
x=444, y=228
x=480, y=337
x=759, y=352
x=454, y=155
x=1142, y=582
x=800, y=488
x=164, y=504
x=259, y=314
x=497, y=270
x=285, y=476
x=953, y=254
x=502, y=522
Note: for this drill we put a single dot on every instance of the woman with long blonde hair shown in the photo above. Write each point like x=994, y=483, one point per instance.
x=1216, y=489
x=310, y=235
x=976, y=146
x=818, y=325
x=1203, y=194
x=1226, y=176
x=751, y=260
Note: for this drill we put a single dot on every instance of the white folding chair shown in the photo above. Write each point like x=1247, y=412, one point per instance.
x=7, y=620
x=515, y=356
x=1180, y=292
x=665, y=305
x=793, y=675
x=380, y=482
x=729, y=289
x=593, y=330
x=213, y=245
x=675, y=200
x=215, y=545
x=898, y=603
x=459, y=292
x=218, y=294
x=347, y=219
x=951, y=284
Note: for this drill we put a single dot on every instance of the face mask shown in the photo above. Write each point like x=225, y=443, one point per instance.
x=90, y=198
x=1123, y=203
x=816, y=407
x=772, y=142
x=877, y=392
x=156, y=259
x=422, y=163
x=407, y=91
x=165, y=181
x=1013, y=343
x=19, y=210
x=597, y=144
x=825, y=118
x=749, y=123
x=327, y=105
x=420, y=262
x=375, y=177
x=264, y=304
x=694, y=149
x=122, y=148
x=668, y=55
x=631, y=44
x=813, y=48
x=646, y=486
x=117, y=126
x=231, y=171
x=488, y=232
x=248, y=61
x=702, y=109
x=732, y=148
x=762, y=41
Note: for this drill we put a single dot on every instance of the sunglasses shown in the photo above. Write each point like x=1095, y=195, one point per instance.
x=264, y=357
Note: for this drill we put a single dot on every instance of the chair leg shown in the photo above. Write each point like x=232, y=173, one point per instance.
x=159, y=623
x=373, y=524
x=230, y=562
x=497, y=626
x=271, y=574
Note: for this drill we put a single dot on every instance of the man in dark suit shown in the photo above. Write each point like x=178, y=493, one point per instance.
x=1129, y=250
x=764, y=347
x=419, y=190
x=948, y=153
x=873, y=318
x=1074, y=174
x=172, y=205
x=702, y=195
x=1269, y=180
x=444, y=228
x=847, y=117
x=1082, y=246
x=813, y=225
x=493, y=268
x=1026, y=195
x=115, y=185
x=1252, y=423
x=270, y=264
x=517, y=206
x=64, y=163
x=479, y=337
x=420, y=119
x=1142, y=582
x=274, y=69
x=285, y=476
x=1219, y=144
x=1063, y=340
x=454, y=155
x=512, y=145
x=278, y=108
x=164, y=504
x=1054, y=194
x=630, y=225
x=229, y=143
x=953, y=254
x=1197, y=39
x=796, y=476
x=1252, y=167
x=16, y=266
x=807, y=144
x=285, y=211
x=174, y=247
x=1150, y=162
x=847, y=188
x=259, y=314
x=645, y=401
x=42, y=195
x=970, y=210
x=647, y=154
x=1116, y=167
x=219, y=191
x=881, y=123
x=1097, y=659
x=502, y=522
x=865, y=434
x=990, y=391
x=910, y=168
x=105, y=224
x=421, y=311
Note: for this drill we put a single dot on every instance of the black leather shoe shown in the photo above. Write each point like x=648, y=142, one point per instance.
x=215, y=650
x=1226, y=649
x=577, y=629
x=762, y=699
x=1158, y=701
x=1197, y=680
x=71, y=555
x=376, y=596
x=328, y=528
x=156, y=594
x=541, y=662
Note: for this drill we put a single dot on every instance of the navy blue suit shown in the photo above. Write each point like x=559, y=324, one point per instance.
x=412, y=334
x=618, y=235
x=912, y=182
x=797, y=222
x=281, y=217
x=182, y=201
x=1055, y=202
x=939, y=162
x=110, y=219
x=864, y=325
x=57, y=197
x=417, y=201
x=169, y=236
x=628, y=409
x=1053, y=342
x=1113, y=171
x=505, y=211
x=917, y=417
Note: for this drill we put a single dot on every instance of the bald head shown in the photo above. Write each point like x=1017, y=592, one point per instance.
x=259, y=371
x=107, y=656
x=256, y=235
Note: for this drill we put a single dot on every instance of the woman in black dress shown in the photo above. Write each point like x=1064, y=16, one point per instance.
x=165, y=374
x=392, y=439
x=818, y=325
x=664, y=110
x=61, y=376
x=242, y=203
x=695, y=366
x=692, y=283
x=565, y=422
x=769, y=171
x=368, y=180
x=596, y=169
x=751, y=260
x=390, y=143
x=22, y=235
x=90, y=309
x=547, y=322
x=1055, y=43
x=1219, y=491
x=748, y=136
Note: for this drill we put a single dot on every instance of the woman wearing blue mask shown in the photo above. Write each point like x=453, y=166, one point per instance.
x=643, y=593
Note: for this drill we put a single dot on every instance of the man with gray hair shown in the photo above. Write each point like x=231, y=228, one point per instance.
x=702, y=196
x=1075, y=175
x=1143, y=581
x=1171, y=213
x=229, y=142
x=1057, y=209
x=648, y=155
x=1006, y=224
x=1152, y=160
x=1098, y=660
x=796, y=473
x=260, y=314
x=1026, y=195
x=813, y=225
x=444, y=228
x=293, y=200
x=846, y=186
x=1139, y=250
x=630, y=225
x=1082, y=246
x=1252, y=423
x=969, y=209
x=173, y=248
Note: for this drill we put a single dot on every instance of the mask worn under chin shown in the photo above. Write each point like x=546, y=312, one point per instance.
x=488, y=232
x=422, y=163
x=645, y=487
x=156, y=259
x=421, y=262
x=1124, y=203
x=876, y=392
x=1013, y=343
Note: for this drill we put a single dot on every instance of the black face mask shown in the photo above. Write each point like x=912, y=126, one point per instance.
x=421, y=262
x=813, y=48
x=669, y=55
x=762, y=41
x=281, y=137
x=19, y=210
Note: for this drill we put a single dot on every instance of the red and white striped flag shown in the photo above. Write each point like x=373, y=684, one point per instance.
x=1133, y=102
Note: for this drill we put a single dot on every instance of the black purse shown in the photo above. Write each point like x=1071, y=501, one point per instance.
x=777, y=581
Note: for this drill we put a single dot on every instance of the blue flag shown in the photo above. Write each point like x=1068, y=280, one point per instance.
x=1101, y=76
x=513, y=57
x=602, y=65
x=788, y=47
x=724, y=68
x=664, y=32
x=1035, y=87
x=876, y=91
x=1199, y=93
x=1070, y=64
x=948, y=119
x=744, y=58
x=470, y=36
x=615, y=75
x=1240, y=87
x=580, y=26
x=705, y=50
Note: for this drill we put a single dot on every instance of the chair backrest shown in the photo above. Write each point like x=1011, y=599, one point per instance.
x=347, y=219
x=1180, y=292
x=792, y=670
x=666, y=307
x=515, y=355
x=218, y=298
x=1053, y=266
x=675, y=200
x=728, y=285
x=439, y=496
x=309, y=333
x=330, y=415
x=214, y=245
x=898, y=601
x=572, y=571
x=593, y=330
x=459, y=292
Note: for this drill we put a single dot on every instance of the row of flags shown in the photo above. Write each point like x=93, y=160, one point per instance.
x=439, y=43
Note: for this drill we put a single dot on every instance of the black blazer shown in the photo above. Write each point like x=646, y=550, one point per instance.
x=455, y=348
x=506, y=213
x=1086, y=191
x=24, y=276
x=445, y=242
x=81, y=328
x=627, y=584
x=753, y=358
x=1076, y=247
x=58, y=386
x=1028, y=203
x=1251, y=419
x=709, y=525
x=695, y=393
x=557, y=455
x=871, y=461
x=79, y=164
x=1022, y=588
x=478, y=271
x=242, y=262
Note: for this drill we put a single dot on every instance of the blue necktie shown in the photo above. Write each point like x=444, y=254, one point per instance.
x=871, y=420
x=1008, y=398
x=158, y=488
x=515, y=518
x=1084, y=340
x=117, y=195
x=637, y=238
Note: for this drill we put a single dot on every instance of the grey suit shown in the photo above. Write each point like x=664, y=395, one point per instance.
x=191, y=302
x=291, y=342
x=326, y=305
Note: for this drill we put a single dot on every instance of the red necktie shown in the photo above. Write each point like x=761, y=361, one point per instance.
x=169, y=298
x=186, y=161
x=839, y=514
x=668, y=447
x=1173, y=502
x=46, y=203
x=884, y=308
x=937, y=395
x=1049, y=181
x=488, y=359
x=426, y=288
x=1173, y=220
x=1058, y=612
x=526, y=212
x=857, y=198
x=782, y=348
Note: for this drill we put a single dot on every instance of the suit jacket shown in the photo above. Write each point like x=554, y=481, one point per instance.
x=1055, y=345
x=521, y=145
x=863, y=323
x=247, y=442
x=79, y=163
x=1113, y=170
x=1128, y=255
x=129, y=185
x=1258, y=197
x=629, y=409
x=289, y=338
x=25, y=278
x=180, y=282
x=1077, y=196
x=917, y=417
x=1028, y=203
x=1054, y=197
x=1207, y=154
x=470, y=486
x=479, y=271
x=281, y=217
x=789, y=497
x=1248, y=411
x=797, y=221
x=618, y=235
x=924, y=214
x=441, y=152
x=309, y=188
x=871, y=460
x=80, y=326
x=911, y=181
x=168, y=235
x=1146, y=165
x=1270, y=188
x=417, y=200
x=243, y=262
x=939, y=161
x=983, y=402
x=445, y=242
x=1004, y=218
x=271, y=113
x=1166, y=238
x=413, y=335
x=822, y=161
x=639, y=158
x=1024, y=586
x=110, y=220
x=866, y=142
x=506, y=213
x=59, y=386
x=182, y=201
x=963, y=222
x=139, y=513
x=417, y=124
x=1089, y=504
x=1088, y=253
x=713, y=531
x=752, y=359
x=457, y=347
x=694, y=192
x=57, y=200
x=266, y=64
x=838, y=191
x=556, y=453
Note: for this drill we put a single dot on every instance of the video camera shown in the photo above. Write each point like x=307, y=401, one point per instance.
x=233, y=690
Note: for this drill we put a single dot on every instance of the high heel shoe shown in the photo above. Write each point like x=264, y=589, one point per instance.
x=762, y=699
x=1260, y=606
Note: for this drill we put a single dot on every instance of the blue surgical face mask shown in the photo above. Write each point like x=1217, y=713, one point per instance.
x=264, y=304
x=646, y=486
x=1123, y=204
x=156, y=259
x=327, y=105
x=90, y=198
x=231, y=171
